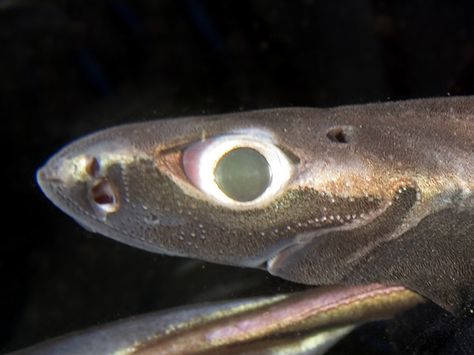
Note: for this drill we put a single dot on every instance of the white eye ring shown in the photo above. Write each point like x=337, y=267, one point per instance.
x=200, y=161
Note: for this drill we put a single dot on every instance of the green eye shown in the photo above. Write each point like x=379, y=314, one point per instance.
x=237, y=171
x=243, y=174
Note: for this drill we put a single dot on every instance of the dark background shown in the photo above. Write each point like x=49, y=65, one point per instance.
x=71, y=67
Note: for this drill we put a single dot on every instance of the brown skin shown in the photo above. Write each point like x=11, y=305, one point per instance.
x=263, y=325
x=379, y=193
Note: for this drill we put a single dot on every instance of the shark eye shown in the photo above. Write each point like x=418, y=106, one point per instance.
x=243, y=174
x=237, y=170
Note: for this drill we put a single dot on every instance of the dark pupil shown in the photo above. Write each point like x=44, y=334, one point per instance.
x=243, y=174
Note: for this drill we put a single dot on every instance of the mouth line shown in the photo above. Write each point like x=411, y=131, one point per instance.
x=299, y=241
x=271, y=265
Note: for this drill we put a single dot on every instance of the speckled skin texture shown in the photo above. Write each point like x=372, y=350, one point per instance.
x=391, y=203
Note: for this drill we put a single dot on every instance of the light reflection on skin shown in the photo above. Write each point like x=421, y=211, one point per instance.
x=313, y=320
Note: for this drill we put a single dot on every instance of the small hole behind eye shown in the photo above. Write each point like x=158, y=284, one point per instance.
x=341, y=134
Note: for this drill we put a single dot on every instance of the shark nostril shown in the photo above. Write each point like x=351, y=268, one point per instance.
x=104, y=196
x=92, y=166
x=101, y=196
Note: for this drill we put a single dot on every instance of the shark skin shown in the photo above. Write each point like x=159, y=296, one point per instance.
x=310, y=322
x=375, y=193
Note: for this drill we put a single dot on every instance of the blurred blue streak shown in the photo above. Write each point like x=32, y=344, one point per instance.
x=204, y=25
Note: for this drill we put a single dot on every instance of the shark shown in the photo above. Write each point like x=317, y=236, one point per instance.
x=372, y=194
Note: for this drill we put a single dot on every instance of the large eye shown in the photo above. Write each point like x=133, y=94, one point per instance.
x=237, y=170
x=243, y=174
